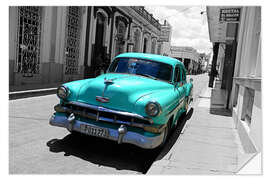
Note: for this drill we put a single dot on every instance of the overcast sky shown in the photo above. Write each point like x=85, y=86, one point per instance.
x=189, y=27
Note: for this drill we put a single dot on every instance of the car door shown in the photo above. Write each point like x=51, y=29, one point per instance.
x=179, y=85
x=187, y=85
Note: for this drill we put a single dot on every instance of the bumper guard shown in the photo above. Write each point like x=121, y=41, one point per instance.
x=121, y=135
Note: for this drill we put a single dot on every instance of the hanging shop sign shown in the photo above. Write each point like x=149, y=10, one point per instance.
x=165, y=34
x=229, y=14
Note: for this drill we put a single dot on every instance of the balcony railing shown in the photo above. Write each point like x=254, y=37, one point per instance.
x=149, y=17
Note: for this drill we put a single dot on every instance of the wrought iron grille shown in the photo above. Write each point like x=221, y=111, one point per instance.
x=28, y=40
x=73, y=29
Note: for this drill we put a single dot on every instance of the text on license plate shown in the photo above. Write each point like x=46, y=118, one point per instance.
x=94, y=131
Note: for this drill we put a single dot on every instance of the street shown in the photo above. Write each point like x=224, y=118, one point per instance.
x=55, y=51
x=35, y=147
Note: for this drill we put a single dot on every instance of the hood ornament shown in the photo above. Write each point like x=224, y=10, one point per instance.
x=103, y=99
x=108, y=81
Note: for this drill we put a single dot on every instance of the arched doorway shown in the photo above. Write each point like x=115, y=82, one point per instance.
x=100, y=27
x=145, y=41
x=99, y=55
x=120, y=38
x=137, y=35
x=159, y=49
x=153, y=46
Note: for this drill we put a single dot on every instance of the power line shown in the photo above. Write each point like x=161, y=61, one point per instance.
x=176, y=13
x=171, y=15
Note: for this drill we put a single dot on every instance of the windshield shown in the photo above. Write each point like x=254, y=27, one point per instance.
x=151, y=69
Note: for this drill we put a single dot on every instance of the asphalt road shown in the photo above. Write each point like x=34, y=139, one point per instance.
x=35, y=147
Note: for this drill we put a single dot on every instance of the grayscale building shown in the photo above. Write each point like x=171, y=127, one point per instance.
x=236, y=36
x=52, y=45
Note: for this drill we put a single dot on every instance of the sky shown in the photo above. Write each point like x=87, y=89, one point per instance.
x=189, y=26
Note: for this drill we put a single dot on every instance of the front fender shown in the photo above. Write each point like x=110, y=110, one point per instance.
x=168, y=99
x=74, y=88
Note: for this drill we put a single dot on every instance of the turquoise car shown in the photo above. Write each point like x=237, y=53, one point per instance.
x=138, y=101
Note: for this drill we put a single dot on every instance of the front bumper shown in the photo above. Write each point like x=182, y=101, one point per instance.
x=129, y=136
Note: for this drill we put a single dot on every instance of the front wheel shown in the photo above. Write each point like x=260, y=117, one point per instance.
x=167, y=131
x=186, y=104
x=188, y=100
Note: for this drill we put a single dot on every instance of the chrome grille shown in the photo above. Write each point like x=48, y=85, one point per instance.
x=104, y=114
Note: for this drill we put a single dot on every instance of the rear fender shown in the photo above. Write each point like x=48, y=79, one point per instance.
x=189, y=87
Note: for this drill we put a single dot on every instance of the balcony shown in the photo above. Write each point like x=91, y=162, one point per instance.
x=146, y=15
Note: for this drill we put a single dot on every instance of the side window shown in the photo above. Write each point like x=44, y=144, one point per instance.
x=177, y=74
x=183, y=74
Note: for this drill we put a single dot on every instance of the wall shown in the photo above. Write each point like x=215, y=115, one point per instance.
x=248, y=78
x=53, y=41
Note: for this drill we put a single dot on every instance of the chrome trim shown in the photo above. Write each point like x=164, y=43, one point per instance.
x=129, y=137
x=108, y=81
x=102, y=99
x=97, y=119
x=59, y=108
x=177, y=107
x=122, y=130
x=66, y=89
x=103, y=109
x=159, y=107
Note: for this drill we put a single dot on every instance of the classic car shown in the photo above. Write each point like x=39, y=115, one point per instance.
x=138, y=100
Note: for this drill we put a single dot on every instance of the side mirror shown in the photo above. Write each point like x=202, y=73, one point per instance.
x=180, y=84
x=191, y=80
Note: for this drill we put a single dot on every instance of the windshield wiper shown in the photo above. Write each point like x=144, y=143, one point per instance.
x=147, y=75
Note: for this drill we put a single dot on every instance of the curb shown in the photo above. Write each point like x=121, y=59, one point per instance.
x=31, y=93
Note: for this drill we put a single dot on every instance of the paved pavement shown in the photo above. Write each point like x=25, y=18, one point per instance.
x=208, y=145
x=35, y=147
x=202, y=144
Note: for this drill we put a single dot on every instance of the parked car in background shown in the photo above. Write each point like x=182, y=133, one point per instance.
x=138, y=101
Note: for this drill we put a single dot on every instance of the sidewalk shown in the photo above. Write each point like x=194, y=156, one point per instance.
x=208, y=145
x=16, y=92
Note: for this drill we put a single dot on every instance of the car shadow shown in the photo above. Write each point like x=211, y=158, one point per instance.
x=108, y=153
x=104, y=152
x=175, y=134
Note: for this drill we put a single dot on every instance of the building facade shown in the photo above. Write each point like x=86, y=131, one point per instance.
x=223, y=33
x=58, y=44
x=246, y=90
x=188, y=55
x=165, y=39
x=203, y=62
x=236, y=36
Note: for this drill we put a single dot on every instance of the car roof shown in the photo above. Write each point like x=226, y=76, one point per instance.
x=153, y=57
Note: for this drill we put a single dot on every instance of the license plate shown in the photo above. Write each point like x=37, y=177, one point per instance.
x=94, y=131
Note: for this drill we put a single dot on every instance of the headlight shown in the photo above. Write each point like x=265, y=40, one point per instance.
x=152, y=108
x=62, y=92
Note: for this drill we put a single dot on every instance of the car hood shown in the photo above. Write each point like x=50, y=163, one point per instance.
x=123, y=91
